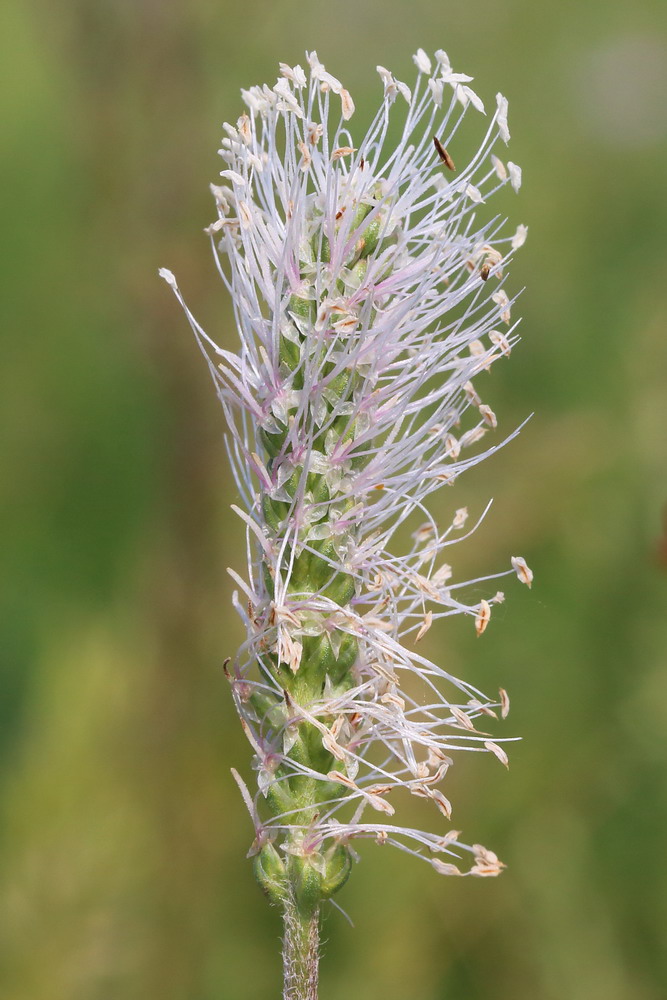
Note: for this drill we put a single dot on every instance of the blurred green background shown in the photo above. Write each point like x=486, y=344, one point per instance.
x=123, y=838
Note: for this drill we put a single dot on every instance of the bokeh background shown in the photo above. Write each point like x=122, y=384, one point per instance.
x=123, y=839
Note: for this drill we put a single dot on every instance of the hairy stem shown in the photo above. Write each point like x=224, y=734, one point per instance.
x=300, y=953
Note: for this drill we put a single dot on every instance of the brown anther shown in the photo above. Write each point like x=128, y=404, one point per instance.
x=504, y=703
x=484, y=271
x=225, y=667
x=443, y=154
x=483, y=617
x=379, y=789
x=464, y=720
x=342, y=151
x=497, y=752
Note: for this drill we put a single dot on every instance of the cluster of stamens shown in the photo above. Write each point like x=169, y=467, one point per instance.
x=368, y=298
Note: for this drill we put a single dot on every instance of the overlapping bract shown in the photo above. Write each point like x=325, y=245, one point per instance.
x=368, y=296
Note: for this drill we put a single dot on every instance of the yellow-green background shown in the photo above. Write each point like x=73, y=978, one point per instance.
x=123, y=839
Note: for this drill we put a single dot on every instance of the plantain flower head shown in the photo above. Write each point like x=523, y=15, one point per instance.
x=368, y=280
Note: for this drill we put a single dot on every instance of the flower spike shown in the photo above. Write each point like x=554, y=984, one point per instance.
x=369, y=287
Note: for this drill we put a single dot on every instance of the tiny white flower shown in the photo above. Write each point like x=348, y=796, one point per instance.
x=515, y=175
x=474, y=193
x=295, y=74
x=501, y=118
x=422, y=61
x=499, y=167
x=522, y=570
x=443, y=60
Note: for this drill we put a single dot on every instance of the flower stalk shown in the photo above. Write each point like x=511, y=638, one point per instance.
x=300, y=952
x=370, y=302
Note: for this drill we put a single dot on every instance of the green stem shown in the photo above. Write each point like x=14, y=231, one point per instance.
x=300, y=952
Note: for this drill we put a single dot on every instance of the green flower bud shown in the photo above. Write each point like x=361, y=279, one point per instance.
x=274, y=512
x=369, y=238
x=347, y=655
x=341, y=589
x=289, y=352
x=306, y=883
x=272, y=442
x=265, y=705
x=337, y=870
x=302, y=308
x=279, y=797
x=270, y=873
x=360, y=213
x=318, y=488
x=324, y=250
